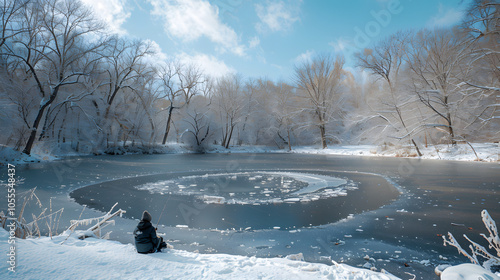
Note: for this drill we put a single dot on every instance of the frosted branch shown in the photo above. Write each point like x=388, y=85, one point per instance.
x=477, y=249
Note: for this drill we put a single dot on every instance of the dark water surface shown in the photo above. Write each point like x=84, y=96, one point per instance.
x=402, y=236
x=372, y=192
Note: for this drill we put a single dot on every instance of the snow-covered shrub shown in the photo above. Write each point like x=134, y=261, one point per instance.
x=149, y=149
x=404, y=151
x=478, y=250
x=95, y=230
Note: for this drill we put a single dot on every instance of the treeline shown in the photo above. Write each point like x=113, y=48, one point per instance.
x=439, y=86
x=67, y=84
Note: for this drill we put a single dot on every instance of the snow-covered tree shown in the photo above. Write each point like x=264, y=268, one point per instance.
x=384, y=61
x=435, y=58
x=284, y=111
x=482, y=24
x=179, y=84
x=10, y=16
x=52, y=49
x=198, y=118
x=227, y=99
x=320, y=82
x=124, y=72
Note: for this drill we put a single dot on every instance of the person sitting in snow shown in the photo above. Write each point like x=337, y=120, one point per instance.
x=146, y=240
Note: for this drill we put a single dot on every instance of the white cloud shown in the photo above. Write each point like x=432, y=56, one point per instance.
x=192, y=19
x=254, y=42
x=209, y=64
x=159, y=57
x=304, y=57
x=341, y=45
x=445, y=17
x=277, y=16
x=112, y=12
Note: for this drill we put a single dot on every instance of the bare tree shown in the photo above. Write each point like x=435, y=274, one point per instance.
x=483, y=20
x=198, y=118
x=250, y=108
x=126, y=64
x=482, y=23
x=436, y=60
x=320, y=80
x=56, y=41
x=9, y=25
x=227, y=99
x=179, y=84
x=123, y=73
x=150, y=98
x=284, y=110
x=385, y=61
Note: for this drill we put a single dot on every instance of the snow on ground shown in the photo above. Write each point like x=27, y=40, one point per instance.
x=41, y=153
x=46, y=258
x=467, y=271
x=9, y=155
x=489, y=152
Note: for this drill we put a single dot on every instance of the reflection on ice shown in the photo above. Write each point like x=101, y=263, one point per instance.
x=241, y=188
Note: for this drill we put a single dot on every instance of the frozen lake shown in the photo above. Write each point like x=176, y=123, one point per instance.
x=243, y=200
x=392, y=229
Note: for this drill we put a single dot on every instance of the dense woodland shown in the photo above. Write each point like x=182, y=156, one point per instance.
x=67, y=83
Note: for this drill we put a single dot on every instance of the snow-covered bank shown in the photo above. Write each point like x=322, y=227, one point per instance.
x=488, y=152
x=46, y=258
x=467, y=271
x=40, y=154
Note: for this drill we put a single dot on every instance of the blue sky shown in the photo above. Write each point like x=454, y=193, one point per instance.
x=267, y=38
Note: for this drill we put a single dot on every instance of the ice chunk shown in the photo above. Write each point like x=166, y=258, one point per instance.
x=296, y=257
x=210, y=199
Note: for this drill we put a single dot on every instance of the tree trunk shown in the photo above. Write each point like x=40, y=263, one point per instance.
x=31, y=139
x=36, y=123
x=224, y=136
x=289, y=140
x=323, y=136
x=229, y=137
x=167, y=129
x=450, y=128
x=416, y=147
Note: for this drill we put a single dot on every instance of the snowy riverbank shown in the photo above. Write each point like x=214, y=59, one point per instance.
x=46, y=258
x=487, y=152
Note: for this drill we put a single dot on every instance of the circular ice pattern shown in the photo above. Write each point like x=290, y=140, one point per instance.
x=254, y=188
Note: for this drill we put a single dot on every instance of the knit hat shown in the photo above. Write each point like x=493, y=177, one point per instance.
x=146, y=216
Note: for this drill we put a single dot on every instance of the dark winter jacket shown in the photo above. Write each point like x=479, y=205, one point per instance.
x=146, y=240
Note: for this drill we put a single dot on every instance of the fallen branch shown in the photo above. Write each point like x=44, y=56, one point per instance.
x=94, y=230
